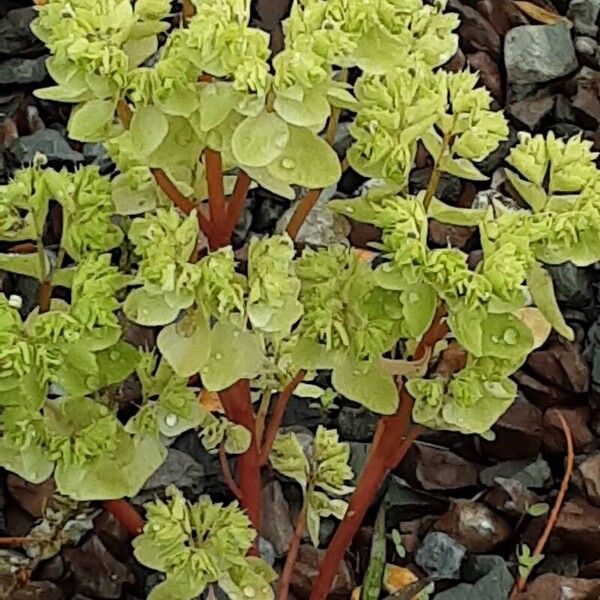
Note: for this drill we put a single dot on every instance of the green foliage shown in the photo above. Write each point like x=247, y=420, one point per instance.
x=126, y=254
x=527, y=561
x=322, y=472
x=199, y=544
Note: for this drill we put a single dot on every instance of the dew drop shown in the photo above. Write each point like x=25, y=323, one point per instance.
x=34, y=474
x=249, y=592
x=510, y=336
x=288, y=163
x=413, y=297
x=495, y=339
x=114, y=355
x=349, y=209
x=218, y=356
x=171, y=420
x=204, y=370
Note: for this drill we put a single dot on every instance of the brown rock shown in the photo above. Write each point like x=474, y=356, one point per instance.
x=113, y=535
x=307, y=568
x=590, y=474
x=33, y=498
x=456, y=63
x=455, y=235
x=474, y=526
x=578, y=528
x=501, y=15
x=540, y=393
x=511, y=497
x=555, y=587
x=96, y=572
x=488, y=73
x=440, y=469
x=476, y=33
x=587, y=99
x=37, y=590
x=577, y=419
x=563, y=366
x=518, y=433
x=530, y=111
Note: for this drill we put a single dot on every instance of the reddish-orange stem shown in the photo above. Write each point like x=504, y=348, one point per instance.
x=218, y=235
x=290, y=561
x=238, y=408
x=237, y=200
x=392, y=441
x=560, y=498
x=306, y=205
x=14, y=542
x=229, y=480
x=126, y=515
x=277, y=417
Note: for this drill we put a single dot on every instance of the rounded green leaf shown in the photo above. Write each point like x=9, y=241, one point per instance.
x=186, y=345
x=307, y=160
x=88, y=121
x=259, y=140
x=234, y=355
x=367, y=384
x=144, y=309
x=149, y=127
x=311, y=111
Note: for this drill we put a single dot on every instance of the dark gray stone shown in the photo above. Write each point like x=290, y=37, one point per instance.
x=573, y=285
x=359, y=452
x=357, y=424
x=440, y=556
x=45, y=141
x=23, y=70
x=496, y=585
x=180, y=469
x=535, y=474
x=538, y=53
x=566, y=565
x=15, y=35
x=405, y=503
x=477, y=566
x=584, y=14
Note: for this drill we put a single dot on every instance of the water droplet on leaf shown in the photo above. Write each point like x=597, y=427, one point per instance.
x=171, y=420
x=288, y=163
x=511, y=336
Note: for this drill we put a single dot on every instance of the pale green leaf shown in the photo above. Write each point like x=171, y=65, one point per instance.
x=259, y=140
x=368, y=384
x=307, y=160
x=149, y=127
x=235, y=355
x=452, y=215
x=461, y=167
x=139, y=50
x=88, y=121
x=146, y=309
x=186, y=344
x=539, y=284
x=22, y=264
x=311, y=111
x=532, y=193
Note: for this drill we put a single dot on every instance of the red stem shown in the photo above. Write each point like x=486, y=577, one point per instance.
x=126, y=515
x=306, y=205
x=238, y=408
x=229, y=480
x=290, y=561
x=217, y=235
x=392, y=441
x=237, y=200
x=277, y=417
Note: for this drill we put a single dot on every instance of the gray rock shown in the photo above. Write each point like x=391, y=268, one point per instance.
x=573, y=285
x=357, y=424
x=477, y=566
x=322, y=226
x=538, y=53
x=405, y=503
x=584, y=14
x=23, y=70
x=440, y=556
x=496, y=585
x=566, y=565
x=15, y=35
x=535, y=474
x=46, y=141
x=266, y=551
x=276, y=524
x=586, y=47
x=359, y=452
x=180, y=469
